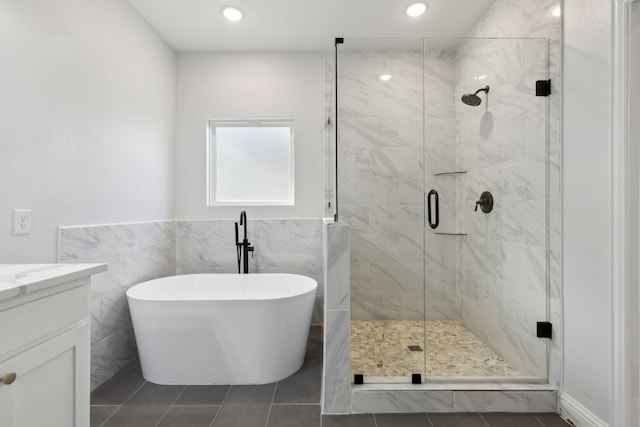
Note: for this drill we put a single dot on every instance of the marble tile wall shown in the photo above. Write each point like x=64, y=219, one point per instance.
x=336, y=381
x=134, y=253
x=281, y=246
x=439, y=401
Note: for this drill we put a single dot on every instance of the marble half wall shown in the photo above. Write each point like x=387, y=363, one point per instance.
x=134, y=253
x=143, y=251
x=336, y=384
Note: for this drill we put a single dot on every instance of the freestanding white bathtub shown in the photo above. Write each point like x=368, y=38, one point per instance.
x=222, y=328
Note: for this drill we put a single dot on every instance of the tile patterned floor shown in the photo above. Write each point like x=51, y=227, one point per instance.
x=128, y=400
x=380, y=348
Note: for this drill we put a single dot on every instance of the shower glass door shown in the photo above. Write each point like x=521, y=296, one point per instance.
x=486, y=263
x=457, y=297
x=381, y=197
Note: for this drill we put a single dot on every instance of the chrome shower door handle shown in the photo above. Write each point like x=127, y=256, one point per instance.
x=433, y=222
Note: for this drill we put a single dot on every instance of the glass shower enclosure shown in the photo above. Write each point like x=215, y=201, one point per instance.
x=442, y=178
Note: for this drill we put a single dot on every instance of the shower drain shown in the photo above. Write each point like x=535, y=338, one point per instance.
x=415, y=348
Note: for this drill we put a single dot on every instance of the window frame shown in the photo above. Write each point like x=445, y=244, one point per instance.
x=212, y=178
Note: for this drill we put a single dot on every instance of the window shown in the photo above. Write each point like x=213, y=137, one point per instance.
x=250, y=162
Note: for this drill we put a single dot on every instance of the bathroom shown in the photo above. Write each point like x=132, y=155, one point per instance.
x=104, y=127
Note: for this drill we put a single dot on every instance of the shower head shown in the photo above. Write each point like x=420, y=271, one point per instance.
x=472, y=98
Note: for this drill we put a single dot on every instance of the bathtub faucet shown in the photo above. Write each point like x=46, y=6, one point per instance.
x=243, y=248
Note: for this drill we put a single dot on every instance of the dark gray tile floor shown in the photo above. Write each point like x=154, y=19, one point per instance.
x=128, y=400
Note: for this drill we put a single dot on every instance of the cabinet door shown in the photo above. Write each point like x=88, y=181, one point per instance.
x=52, y=384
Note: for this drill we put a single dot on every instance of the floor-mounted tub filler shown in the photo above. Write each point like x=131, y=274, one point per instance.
x=222, y=328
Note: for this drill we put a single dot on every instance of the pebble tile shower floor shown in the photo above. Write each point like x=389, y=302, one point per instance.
x=128, y=400
x=380, y=348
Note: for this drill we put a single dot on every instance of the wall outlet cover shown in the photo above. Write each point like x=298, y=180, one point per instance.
x=21, y=221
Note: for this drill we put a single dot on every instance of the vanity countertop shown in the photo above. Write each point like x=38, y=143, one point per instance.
x=22, y=279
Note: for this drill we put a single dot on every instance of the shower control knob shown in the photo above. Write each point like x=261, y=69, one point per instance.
x=485, y=202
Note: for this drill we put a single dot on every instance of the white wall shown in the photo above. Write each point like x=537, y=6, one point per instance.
x=249, y=85
x=634, y=207
x=586, y=198
x=86, y=120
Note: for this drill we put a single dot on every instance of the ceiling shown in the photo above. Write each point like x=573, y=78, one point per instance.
x=301, y=25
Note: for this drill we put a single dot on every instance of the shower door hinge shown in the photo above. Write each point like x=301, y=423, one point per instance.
x=543, y=87
x=544, y=329
x=416, y=379
x=358, y=379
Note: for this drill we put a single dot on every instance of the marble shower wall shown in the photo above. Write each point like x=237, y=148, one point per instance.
x=281, y=246
x=502, y=144
x=135, y=253
x=144, y=251
x=381, y=172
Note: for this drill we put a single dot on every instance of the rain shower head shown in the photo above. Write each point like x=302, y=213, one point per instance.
x=472, y=98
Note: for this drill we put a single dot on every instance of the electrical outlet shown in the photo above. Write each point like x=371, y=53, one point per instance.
x=21, y=221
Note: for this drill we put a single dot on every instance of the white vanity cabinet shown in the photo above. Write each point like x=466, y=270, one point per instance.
x=44, y=345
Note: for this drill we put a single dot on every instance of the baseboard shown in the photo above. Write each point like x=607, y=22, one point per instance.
x=580, y=416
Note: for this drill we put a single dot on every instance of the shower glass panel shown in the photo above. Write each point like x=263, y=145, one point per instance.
x=455, y=297
x=381, y=197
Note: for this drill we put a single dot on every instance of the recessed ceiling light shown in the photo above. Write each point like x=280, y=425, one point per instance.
x=385, y=77
x=232, y=13
x=416, y=9
x=556, y=11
